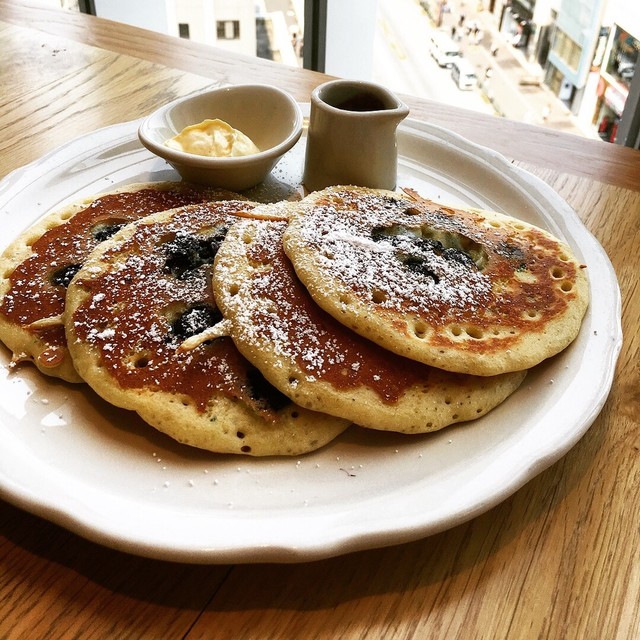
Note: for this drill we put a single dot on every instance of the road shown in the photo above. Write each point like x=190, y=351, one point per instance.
x=401, y=53
x=402, y=61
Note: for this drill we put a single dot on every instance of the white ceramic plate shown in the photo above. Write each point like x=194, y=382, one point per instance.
x=68, y=456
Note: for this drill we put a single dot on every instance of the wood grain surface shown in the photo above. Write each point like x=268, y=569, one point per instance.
x=558, y=559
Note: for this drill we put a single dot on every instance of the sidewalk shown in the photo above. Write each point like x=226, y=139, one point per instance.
x=512, y=84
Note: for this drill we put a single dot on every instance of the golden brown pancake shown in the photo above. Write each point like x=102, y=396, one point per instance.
x=138, y=298
x=37, y=267
x=319, y=363
x=464, y=290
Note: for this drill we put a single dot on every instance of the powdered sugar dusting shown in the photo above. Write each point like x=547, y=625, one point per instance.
x=272, y=311
x=400, y=272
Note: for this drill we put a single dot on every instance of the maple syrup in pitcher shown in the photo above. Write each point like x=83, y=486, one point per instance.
x=361, y=102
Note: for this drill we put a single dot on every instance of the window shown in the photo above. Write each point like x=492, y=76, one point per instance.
x=554, y=79
x=566, y=49
x=228, y=29
x=624, y=56
x=384, y=40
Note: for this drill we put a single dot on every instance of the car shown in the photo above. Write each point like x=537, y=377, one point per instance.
x=626, y=70
x=443, y=49
x=464, y=74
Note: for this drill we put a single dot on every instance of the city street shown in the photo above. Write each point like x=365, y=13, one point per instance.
x=402, y=61
x=401, y=52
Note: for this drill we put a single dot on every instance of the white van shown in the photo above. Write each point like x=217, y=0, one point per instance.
x=463, y=74
x=443, y=49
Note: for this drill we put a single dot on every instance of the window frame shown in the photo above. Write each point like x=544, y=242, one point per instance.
x=222, y=27
x=314, y=59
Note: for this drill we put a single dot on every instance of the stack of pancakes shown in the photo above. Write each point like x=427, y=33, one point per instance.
x=270, y=329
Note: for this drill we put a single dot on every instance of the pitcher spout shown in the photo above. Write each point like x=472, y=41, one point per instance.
x=398, y=114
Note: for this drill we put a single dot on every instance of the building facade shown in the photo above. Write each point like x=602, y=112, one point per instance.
x=230, y=24
x=617, y=67
x=574, y=39
x=587, y=51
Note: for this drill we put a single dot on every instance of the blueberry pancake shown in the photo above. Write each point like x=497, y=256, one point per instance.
x=136, y=302
x=37, y=267
x=318, y=362
x=464, y=290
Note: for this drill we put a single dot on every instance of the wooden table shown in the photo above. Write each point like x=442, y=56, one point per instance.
x=559, y=559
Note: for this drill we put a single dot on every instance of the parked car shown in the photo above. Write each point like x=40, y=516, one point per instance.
x=464, y=74
x=626, y=70
x=443, y=49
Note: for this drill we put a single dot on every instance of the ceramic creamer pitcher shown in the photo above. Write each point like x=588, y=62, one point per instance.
x=352, y=136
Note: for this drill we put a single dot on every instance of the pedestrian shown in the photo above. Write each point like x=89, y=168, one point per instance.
x=461, y=19
x=494, y=49
x=546, y=112
x=477, y=33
